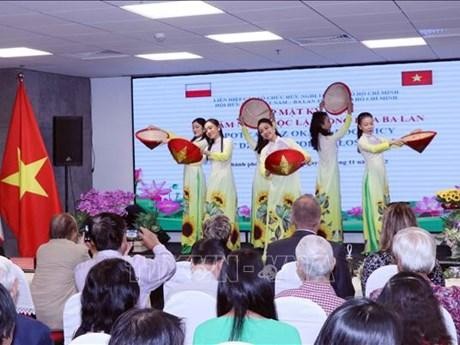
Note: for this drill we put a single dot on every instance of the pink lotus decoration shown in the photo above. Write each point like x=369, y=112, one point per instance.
x=428, y=207
x=154, y=192
x=168, y=206
x=244, y=211
x=355, y=211
x=137, y=175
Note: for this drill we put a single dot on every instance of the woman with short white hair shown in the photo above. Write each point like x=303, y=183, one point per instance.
x=315, y=263
x=415, y=251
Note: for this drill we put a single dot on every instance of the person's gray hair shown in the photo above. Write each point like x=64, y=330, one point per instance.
x=315, y=258
x=414, y=250
x=7, y=274
x=217, y=227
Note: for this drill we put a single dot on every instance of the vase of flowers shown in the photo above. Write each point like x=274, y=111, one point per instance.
x=451, y=233
x=449, y=198
x=94, y=202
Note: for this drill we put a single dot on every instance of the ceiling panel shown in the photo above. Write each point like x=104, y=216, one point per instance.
x=415, y=6
x=52, y=7
x=90, y=16
x=67, y=28
x=347, y=53
x=9, y=8
x=251, y=6
x=335, y=9
x=407, y=53
x=445, y=47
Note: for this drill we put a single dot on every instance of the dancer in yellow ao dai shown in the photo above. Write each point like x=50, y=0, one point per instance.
x=328, y=175
x=194, y=192
x=221, y=191
x=375, y=192
x=283, y=190
x=260, y=186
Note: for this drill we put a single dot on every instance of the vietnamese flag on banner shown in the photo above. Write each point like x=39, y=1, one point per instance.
x=412, y=78
x=28, y=193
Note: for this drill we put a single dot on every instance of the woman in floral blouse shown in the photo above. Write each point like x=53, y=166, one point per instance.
x=397, y=216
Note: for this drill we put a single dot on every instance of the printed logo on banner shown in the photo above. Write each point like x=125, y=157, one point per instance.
x=198, y=90
x=413, y=78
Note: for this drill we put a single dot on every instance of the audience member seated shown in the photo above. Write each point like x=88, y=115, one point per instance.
x=361, y=322
x=23, y=300
x=206, y=258
x=415, y=251
x=53, y=281
x=27, y=331
x=245, y=306
x=410, y=296
x=306, y=216
x=147, y=327
x=110, y=290
x=108, y=235
x=315, y=263
x=217, y=227
x=396, y=216
x=7, y=316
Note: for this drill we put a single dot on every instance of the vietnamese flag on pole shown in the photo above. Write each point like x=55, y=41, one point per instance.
x=28, y=193
x=412, y=78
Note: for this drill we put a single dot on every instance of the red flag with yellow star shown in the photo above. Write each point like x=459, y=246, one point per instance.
x=28, y=193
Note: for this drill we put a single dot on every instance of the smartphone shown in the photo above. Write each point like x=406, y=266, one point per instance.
x=132, y=234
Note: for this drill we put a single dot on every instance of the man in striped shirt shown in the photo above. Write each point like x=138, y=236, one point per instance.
x=315, y=263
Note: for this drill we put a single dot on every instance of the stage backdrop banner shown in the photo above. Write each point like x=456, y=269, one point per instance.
x=402, y=97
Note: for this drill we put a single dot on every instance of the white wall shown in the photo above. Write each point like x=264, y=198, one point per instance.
x=112, y=133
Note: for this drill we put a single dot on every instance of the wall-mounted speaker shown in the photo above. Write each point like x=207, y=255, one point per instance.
x=67, y=140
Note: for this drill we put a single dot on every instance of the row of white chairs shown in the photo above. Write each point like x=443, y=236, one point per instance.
x=308, y=320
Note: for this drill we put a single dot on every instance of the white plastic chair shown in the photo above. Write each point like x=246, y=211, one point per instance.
x=24, y=301
x=287, y=278
x=450, y=325
x=193, y=307
x=182, y=276
x=91, y=339
x=305, y=315
x=71, y=317
x=379, y=278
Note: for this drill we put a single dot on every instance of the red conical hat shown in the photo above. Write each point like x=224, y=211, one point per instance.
x=284, y=162
x=184, y=151
x=152, y=136
x=336, y=98
x=419, y=140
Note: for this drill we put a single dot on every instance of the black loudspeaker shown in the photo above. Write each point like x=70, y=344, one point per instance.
x=67, y=140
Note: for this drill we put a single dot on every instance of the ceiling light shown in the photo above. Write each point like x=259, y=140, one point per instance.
x=170, y=56
x=395, y=42
x=245, y=37
x=172, y=9
x=21, y=52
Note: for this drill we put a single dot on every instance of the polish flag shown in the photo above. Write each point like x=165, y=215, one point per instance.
x=198, y=90
x=412, y=78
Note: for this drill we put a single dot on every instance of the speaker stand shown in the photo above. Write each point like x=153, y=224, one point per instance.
x=68, y=162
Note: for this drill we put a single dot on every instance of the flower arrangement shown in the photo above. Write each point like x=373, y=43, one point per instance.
x=94, y=202
x=428, y=207
x=449, y=198
x=451, y=233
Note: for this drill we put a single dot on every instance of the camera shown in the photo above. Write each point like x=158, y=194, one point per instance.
x=86, y=232
x=132, y=234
